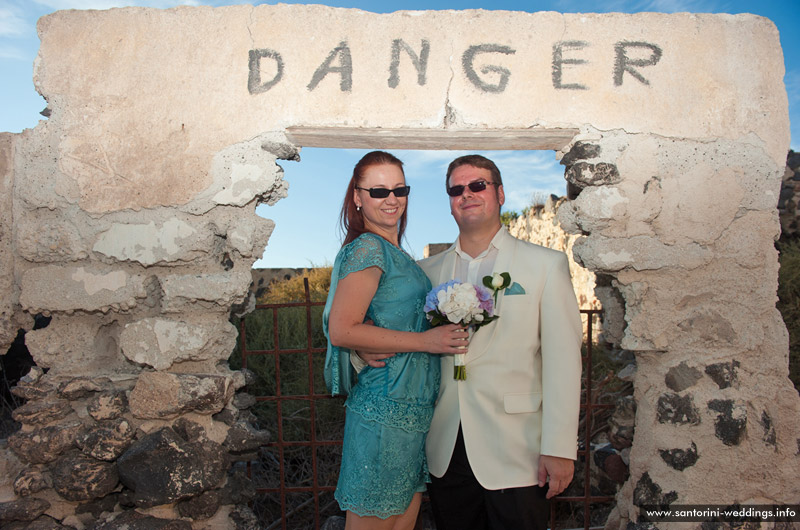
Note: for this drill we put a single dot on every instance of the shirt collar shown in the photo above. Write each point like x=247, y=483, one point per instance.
x=495, y=244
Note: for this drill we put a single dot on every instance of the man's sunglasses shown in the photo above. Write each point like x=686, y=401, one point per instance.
x=382, y=193
x=474, y=187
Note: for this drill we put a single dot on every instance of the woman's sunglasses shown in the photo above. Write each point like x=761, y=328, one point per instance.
x=474, y=187
x=382, y=193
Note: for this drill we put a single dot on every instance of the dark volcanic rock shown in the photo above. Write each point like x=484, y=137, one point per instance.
x=163, y=468
x=78, y=477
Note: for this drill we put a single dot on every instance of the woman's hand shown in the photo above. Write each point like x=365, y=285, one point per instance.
x=449, y=338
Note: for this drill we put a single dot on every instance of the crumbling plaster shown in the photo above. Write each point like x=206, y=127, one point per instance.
x=130, y=216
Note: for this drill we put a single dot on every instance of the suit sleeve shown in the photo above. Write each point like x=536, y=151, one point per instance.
x=561, y=336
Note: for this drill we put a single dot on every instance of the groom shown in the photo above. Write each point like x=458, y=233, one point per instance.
x=503, y=441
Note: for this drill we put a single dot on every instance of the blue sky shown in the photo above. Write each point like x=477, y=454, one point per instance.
x=306, y=233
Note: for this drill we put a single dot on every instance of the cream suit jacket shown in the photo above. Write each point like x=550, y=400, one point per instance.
x=521, y=396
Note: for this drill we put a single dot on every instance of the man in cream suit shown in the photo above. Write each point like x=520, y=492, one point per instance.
x=503, y=440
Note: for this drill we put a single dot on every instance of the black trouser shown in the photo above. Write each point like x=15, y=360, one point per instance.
x=459, y=502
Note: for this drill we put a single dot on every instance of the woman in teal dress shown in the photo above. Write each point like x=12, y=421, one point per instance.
x=376, y=304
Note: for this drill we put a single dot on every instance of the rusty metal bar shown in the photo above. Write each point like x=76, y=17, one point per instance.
x=313, y=394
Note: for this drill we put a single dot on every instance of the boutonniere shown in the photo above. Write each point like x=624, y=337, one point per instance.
x=497, y=282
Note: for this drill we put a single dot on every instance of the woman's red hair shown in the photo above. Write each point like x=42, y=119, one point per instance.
x=351, y=219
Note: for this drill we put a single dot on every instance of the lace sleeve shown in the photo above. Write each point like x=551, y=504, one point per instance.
x=366, y=251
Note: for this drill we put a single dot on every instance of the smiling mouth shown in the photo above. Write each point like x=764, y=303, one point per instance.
x=390, y=211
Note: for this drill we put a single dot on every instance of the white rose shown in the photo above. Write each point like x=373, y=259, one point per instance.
x=497, y=281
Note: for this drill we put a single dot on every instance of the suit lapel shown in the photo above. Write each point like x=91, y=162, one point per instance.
x=484, y=336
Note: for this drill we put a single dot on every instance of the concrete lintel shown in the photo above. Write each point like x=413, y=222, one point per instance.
x=432, y=139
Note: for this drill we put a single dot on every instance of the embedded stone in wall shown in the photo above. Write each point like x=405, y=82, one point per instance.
x=107, y=405
x=731, y=421
x=41, y=412
x=78, y=345
x=134, y=520
x=189, y=291
x=45, y=444
x=160, y=342
x=43, y=235
x=673, y=408
x=770, y=436
x=78, y=477
x=725, y=375
x=681, y=377
x=22, y=510
x=171, y=240
x=648, y=493
x=638, y=253
x=55, y=288
x=680, y=459
x=160, y=395
x=108, y=440
x=162, y=468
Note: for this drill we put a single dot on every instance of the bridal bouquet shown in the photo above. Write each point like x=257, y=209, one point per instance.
x=455, y=302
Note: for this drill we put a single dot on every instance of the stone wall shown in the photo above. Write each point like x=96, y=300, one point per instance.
x=130, y=220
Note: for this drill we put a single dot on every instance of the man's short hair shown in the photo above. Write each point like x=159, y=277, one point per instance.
x=475, y=161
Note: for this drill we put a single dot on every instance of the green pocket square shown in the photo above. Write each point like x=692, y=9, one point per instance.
x=514, y=288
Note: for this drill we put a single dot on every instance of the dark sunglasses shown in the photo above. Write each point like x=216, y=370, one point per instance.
x=382, y=193
x=474, y=187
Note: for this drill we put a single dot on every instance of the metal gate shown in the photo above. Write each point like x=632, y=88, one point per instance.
x=296, y=472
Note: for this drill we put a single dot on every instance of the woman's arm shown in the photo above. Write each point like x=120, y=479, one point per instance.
x=346, y=325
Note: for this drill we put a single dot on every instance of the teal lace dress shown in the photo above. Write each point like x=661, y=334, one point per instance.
x=389, y=409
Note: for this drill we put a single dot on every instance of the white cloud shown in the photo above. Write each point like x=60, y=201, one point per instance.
x=12, y=23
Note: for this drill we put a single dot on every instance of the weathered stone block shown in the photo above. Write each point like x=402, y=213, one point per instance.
x=132, y=520
x=77, y=345
x=160, y=342
x=159, y=395
x=673, y=408
x=587, y=174
x=581, y=151
x=725, y=375
x=681, y=377
x=197, y=291
x=680, y=459
x=639, y=253
x=49, y=236
x=78, y=477
x=56, y=288
x=31, y=480
x=22, y=510
x=202, y=506
x=80, y=387
x=162, y=468
x=244, y=438
x=45, y=444
x=770, y=436
x=40, y=412
x=731, y=421
x=106, y=441
x=107, y=405
x=170, y=240
x=648, y=493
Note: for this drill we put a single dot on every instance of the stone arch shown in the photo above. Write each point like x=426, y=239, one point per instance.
x=125, y=223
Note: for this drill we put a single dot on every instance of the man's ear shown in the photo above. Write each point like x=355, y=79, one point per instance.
x=501, y=195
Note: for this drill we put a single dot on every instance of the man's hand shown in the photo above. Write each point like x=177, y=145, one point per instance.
x=374, y=360
x=557, y=471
